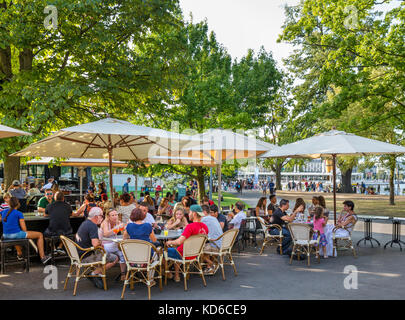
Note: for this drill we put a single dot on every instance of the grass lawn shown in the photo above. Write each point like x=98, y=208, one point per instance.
x=376, y=205
x=229, y=199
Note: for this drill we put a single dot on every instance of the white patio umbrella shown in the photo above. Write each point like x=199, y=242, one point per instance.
x=7, y=132
x=79, y=163
x=225, y=145
x=331, y=144
x=108, y=139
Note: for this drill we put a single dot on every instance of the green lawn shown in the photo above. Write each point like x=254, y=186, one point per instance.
x=229, y=199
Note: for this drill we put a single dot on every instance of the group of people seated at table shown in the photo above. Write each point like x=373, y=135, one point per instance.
x=318, y=215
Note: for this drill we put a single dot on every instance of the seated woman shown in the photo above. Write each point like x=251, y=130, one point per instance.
x=14, y=228
x=151, y=204
x=138, y=229
x=322, y=203
x=311, y=208
x=261, y=207
x=165, y=208
x=178, y=221
x=89, y=202
x=126, y=207
x=186, y=202
x=6, y=199
x=299, y=208
x=345, y=223
x=109, y=229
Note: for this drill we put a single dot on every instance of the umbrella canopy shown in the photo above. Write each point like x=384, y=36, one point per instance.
x=125, y=140
x=225, y=145
x=186, y=161
x=77, y=162
x=332, y=144
x=108, y=138
x=7, y=132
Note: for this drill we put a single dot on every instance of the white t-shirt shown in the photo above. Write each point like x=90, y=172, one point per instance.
x=214, y=230
x=236, y=221
x=149, y=218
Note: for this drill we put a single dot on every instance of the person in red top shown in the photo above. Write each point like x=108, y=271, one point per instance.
x=196, y=227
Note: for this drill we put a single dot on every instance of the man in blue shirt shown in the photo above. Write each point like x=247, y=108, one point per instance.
x=125, y=187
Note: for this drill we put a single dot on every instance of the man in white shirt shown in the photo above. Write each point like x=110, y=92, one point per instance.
x=48, y=185
x=239, y=216
x=148, y=218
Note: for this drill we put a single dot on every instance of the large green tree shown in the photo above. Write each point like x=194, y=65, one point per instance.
x=218, y=92
x=105, y=57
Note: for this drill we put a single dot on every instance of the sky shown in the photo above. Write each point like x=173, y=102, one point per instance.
x=243, y=24
x=247, y=24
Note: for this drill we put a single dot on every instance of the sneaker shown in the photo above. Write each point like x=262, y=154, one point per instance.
x=97, y=282
x=60, y=252
x=45, y=260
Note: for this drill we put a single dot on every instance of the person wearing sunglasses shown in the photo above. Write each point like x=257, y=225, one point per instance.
x=44, y=201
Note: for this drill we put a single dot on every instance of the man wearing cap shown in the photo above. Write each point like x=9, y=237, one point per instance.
x=16, y=191
x=86, y=237
x=196, y=227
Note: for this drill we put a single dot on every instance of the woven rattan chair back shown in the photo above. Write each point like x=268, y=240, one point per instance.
x=300, y=231
x=228, y=239
x=71, y=249
x=136, y=251
x=263, y=226
x=194, y=245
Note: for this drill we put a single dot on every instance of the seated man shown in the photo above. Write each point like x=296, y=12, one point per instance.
x=86, y=237
x=238, y=216
x=196, y=227
x=214, y=232
x=221, y=218
x=148, y=217
x=59, y=214
x=44, y=201
x=281, y=218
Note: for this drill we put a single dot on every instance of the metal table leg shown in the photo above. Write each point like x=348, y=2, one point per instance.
x=396, y=235
x=368, y=233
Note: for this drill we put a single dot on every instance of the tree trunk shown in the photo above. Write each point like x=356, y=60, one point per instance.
x=277, y=170
x=347, y=181
x=393, y=164
x=200, y=182
x=11, y=170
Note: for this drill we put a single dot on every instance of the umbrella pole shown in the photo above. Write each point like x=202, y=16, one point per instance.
x=334, y=186
x=210, y=183
x=219, y=187
x=111, y=180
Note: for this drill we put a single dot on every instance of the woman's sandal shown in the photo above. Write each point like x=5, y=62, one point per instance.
x=123, y=276
x=176, y=279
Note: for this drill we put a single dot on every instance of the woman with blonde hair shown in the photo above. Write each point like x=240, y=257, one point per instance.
x=151, y=204
x=165, y=208
x=178, y=221
x=109, y=228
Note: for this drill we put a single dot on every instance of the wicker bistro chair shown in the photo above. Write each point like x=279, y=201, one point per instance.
x=141, y=265
x=228, y=240
x=192, y=247
x=77, y=264
x=302, y=242
x=270, y=239
x=345, y=241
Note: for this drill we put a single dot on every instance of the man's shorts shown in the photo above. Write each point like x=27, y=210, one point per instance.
x=209, y=248
x=98, y=256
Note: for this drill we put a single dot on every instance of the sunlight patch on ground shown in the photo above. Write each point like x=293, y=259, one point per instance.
x=249, y=287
